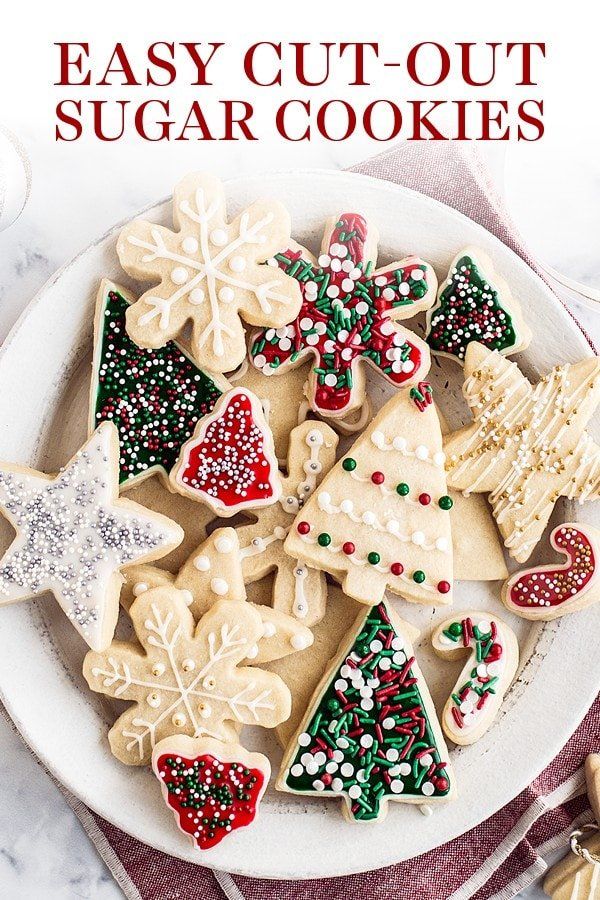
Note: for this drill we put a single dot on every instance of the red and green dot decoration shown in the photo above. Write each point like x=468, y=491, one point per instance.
x=154, y=397
x=211, y=798
x=369, y=737
x=345, y=318
x=469, y=309
x=471, y=696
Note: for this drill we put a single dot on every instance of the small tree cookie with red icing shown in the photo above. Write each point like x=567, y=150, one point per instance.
x=493, y=653
x=349, y=317
x=229, y=462
x=212, y=788
x=547, y=592
x=381, y=518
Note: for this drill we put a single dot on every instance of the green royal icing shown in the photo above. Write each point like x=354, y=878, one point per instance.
x=369, y=736
x=154, y=397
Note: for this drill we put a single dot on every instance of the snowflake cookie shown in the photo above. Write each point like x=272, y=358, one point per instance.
x=527, y=446
x=212, y=788
x=229, y=462
x=209, y=273
x=185, y=678
x=493, y=653
x=74, y=535
x=297, y=589
x=475, y=304
x=348, y=317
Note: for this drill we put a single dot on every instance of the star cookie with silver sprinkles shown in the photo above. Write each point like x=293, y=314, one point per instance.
x=74, y=534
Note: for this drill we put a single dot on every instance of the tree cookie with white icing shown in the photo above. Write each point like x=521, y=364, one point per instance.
x=381, y=518
x=209, y=273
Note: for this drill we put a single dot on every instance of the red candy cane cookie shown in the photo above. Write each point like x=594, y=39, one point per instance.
x=547, y=592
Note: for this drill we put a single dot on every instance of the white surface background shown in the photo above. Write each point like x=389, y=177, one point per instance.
x=80, y=189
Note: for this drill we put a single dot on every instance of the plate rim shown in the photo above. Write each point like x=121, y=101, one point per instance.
x=18, y=326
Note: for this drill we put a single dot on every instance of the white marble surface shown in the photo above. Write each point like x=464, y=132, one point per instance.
x=43, y=849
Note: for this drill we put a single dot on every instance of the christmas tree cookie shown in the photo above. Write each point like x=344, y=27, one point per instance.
x=527, y=445
x=183, y=677
x=297, y=589
x=229, y=462
x=212, y=788
x=370, y=733
x=208, y=273
x=381, y=518
x=348, y=317
x=154, y=397
x=475, y=304
x=547, y=592
x=493, y=653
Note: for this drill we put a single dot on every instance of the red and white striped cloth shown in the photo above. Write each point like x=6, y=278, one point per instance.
x=504, y=853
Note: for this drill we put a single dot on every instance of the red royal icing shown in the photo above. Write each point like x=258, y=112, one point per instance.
x=548, y=586
x=226, y=460
x=228, y=794
x=345, y=317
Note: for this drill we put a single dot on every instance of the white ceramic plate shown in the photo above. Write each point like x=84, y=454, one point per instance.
x=44, y=372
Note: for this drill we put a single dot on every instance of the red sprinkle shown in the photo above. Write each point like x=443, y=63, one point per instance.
x=424, y=499
x=377, y=477
x=443, y=587
x=303, y=527
x=396, y=568
x=348, y=548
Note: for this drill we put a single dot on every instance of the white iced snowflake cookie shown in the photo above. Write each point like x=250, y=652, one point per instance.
x=209, y=272
x=74, y=535
x=185, y=678
x=493, y=658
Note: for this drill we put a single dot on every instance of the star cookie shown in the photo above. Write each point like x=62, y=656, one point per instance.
x=74, y=535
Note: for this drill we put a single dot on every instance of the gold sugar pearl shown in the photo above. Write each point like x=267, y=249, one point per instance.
x=188, y=665
x=179, y=720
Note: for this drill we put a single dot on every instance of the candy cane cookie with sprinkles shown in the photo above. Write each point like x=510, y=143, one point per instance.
x=349, y=317
x=370, y=733
x=547, y=592
x=493, y=652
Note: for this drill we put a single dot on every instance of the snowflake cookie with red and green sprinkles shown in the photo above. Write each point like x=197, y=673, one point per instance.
x=370, y=733
x=475, y=304
x=212, y=788
x=493, y=659
x=154, y=397
x=547, y=592
x=349, y=317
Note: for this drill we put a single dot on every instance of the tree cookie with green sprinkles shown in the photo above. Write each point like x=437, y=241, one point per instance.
x=475, y=304
x=349, y=317
x=380, y=519
x=493, y=658
x=370, y=733
x=154, y=397
x=212, y=787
